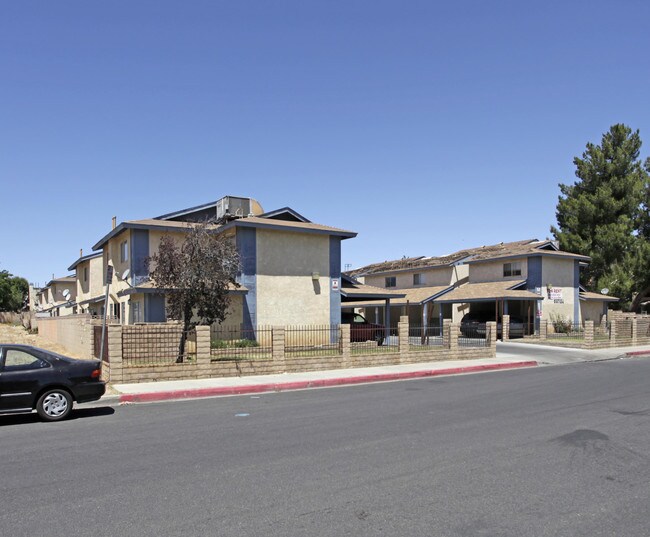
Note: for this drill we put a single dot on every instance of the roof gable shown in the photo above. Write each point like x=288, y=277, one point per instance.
x=286, y=213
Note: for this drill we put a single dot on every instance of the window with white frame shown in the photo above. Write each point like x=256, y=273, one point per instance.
x=124, y=251
x=512, y=269
x=391, y=281
x=417, y=279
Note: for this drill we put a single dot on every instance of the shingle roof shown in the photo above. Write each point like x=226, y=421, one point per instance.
x=588, y=295
x=471, y=292
x=414, y=296
x=468, y=255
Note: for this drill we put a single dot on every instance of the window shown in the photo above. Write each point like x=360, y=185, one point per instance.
x=391, y=281
x=417, y=279
x=85, y=274
x=17, y=360
x=124, y=251
x=136, y=312
x=512, y=269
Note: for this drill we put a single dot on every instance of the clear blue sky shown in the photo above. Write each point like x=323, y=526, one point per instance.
x=424, y=126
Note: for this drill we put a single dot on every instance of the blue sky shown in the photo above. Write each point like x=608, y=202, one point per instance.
x=425, y=127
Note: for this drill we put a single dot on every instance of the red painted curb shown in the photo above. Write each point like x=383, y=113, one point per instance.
x=637, y=353
x=303, y=384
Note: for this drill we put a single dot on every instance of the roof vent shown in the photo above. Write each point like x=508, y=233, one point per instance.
x=231, y=208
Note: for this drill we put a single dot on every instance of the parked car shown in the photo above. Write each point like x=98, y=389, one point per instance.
x=36, y=379
x=361, y=329
x=473, y=325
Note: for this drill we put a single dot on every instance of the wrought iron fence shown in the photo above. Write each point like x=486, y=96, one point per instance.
x=602, y=332
x=424, y=338
x=374, y=340
x=157, y=344
x=312, y=340
x=473, y=336
x=624, y=329
x=566, y=332
x=643, y=328
x=241, y=343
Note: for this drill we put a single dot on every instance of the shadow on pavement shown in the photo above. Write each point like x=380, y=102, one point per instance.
x=77, y=413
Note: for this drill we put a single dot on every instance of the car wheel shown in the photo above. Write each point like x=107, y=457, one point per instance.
x=54, y=405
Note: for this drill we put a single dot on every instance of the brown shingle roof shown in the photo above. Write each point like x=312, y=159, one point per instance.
x=488, y=291
x=469, y=255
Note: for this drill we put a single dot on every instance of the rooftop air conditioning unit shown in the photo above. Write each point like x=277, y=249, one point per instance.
x=231, y=207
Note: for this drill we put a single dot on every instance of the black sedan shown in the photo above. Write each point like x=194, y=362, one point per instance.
x=33, y=378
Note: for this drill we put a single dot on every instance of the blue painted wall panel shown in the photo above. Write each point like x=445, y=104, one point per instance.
x=534, y=280
x=576, y=292
x=335, y=272
x=140, y=253
x=154, y=308
x=247, y=249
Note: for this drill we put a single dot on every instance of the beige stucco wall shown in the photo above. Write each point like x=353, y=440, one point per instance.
x=286, y=293
x=591, y=310
x=493, y=271
x=430, y=277
x=559, y=274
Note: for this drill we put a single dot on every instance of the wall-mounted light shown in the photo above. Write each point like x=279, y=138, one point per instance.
x=315, y=276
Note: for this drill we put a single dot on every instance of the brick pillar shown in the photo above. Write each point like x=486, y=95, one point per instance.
x=589, y=334
x=543, y=328
x=635, y=329
x=203, y=357
x=446, y=332
x=346, y=346
x=278, y=347
x=403, y=332
x=491, y=335
x=453, y=340
x=115, y=352
x=505, y=328
x=612, y=333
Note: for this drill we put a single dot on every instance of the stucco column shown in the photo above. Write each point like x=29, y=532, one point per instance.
x=505, y=327
x=612, y=333
x=403, y=334
x=589, y=334
x=203, y=357
x=278, y=346
x=115, y=353
x=346, y=346
x=446, y=333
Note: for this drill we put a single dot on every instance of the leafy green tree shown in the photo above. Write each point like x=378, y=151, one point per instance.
x=13, y=292
x=196, y=276
x=604, y=213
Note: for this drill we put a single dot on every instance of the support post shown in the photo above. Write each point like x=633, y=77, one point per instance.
x=278, y=347
x=589, y=334
x=505, y=328
x=403, y=334
x=346, y=346
x=115, y=353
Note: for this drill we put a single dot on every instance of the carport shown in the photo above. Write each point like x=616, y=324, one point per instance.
x=504, y=298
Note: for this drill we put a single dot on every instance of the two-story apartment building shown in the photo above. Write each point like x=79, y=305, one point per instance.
x=530, y=279
x=89, y=275
x=57, y=297
x=290, y=267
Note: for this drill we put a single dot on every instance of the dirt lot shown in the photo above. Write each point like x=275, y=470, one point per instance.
x=10, y=333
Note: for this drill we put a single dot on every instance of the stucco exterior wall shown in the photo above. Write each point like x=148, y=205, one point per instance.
x=492, y=271
x=559, y=275
x=591, y=311
x=430, y=277
x=286, y=292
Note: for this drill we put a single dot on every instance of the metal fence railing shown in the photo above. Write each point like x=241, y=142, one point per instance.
x=424, y=338
x=602, y=332
x=241, y=343
x=624, y=329
x=312, y=340
x=566, y=332
x=473, y=336
x=374, y=340
x=156, y=345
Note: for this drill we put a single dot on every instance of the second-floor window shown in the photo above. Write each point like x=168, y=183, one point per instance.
x=124, y=251
x=391, y=281
x=511, y=269
x=85, y=274
x=417, y=279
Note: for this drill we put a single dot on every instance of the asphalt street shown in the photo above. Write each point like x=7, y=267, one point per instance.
x=550, y=451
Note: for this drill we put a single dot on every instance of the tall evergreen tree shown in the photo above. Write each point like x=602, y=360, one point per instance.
x=604, y=213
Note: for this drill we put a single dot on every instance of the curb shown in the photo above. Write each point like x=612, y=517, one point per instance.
x=637, y=353
x=305, y=384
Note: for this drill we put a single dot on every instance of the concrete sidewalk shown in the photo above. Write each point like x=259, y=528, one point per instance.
x=224, y=386
x=186, y=389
